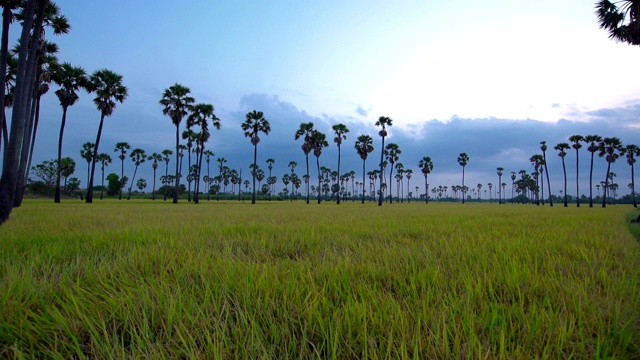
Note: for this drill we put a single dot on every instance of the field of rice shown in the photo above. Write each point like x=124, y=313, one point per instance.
x=219, y=280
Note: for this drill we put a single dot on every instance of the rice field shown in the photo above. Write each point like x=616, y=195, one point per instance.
x=227, y=280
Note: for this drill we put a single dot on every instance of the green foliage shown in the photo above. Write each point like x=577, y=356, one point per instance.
x=114, y=185
x=285, y=280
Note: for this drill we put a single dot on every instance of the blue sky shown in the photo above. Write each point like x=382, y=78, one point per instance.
x=490, y=78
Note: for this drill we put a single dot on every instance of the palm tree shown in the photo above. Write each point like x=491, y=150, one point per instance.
x=562, y=153
x=292, y=165
x=202, y=114
x=270, y=162
x=576, y=140
x=318, y=140
x=341, y=131
x=593, y=141
x=463, y=160
x=426, y=166
x=104, y=160
x=108, y=88
x=254, y=124
x=138, y=157
x=543, y=147
x=623, y=22
x=86, y=153
x=122, y=147
x=383, y=121
x=305, y=130
x=513, y=183
x=500, y=171
x=155, y=157
x=364, y=147
x=392, y=154
x=537, y=161
x=610, y=148
x=221, y=161
x=479, y=186
x=70, y=79
x=190, y=136
x=177, y=104
x=632, y=151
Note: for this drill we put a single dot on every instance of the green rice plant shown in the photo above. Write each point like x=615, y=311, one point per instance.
x=290, y=280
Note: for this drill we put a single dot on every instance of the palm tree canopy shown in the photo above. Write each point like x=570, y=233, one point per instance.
x=392, y=152
x=632, y=151
x=318, y=140
x=561, y=148
x=384, y=121
x=70, y=79
x=341, y=130
x=500, y=171
x=463, y=159
x=576, y=140
x=87, y=151
x=426, y=165
x=254, y=124
x=622, y=22
x=137, y=156
x=108, y=88
x=177, y=102
x=364, y=146
x=610, y=147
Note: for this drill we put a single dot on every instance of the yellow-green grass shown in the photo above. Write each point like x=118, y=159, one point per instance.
x=122, y=279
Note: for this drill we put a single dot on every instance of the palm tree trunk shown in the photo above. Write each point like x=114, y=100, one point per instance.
x=188, y=175
x=121, y=176
x=177, y=180
x=546, y=170
x=255, y=169
x=577, y=180
x=89, y=198
x=319, y=180
x=381, y=172
x=591, y=181
x=606, y=186
x=363, y=178
x=64, y=120
x=196, y=196
x=462, y=190
x=153, y=192
x=26, y=146
x=426, y=190
x=308, y=178
x=338, y=195
x=4, y=55
x=132, y=182
x=633, y=188
x=101, y=184
x=564, y=170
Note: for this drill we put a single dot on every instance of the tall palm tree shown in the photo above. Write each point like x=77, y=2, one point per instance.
x=426, y=167
x=122, y=147
x=318, y=140
x=392, y=154
x=190, y=136
x=576, y=140
x=177, y=104
x=201, y=116
x=463, y=160
x=610, y=149
x=513, y=183
x=364, y=147
x=340, y=130
x=305, y=131
x=543, y=147
x=254, y=124
x=561, y=147
x=70, y=79
x=221, y=161
x=632, y=151
x=104, y=160
x=155, y=157
x=537, y=160
x=86, y=153
x=383, y=122
x=292, y=165
x=622, y=22
x=500, y=171
x=108, y=88
x=270, y=162
x=594, y=144
x=138, y=157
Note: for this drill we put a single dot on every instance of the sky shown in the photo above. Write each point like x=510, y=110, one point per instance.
x=490, y=78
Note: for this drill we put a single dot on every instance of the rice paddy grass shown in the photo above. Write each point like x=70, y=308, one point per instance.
x=227, y=280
